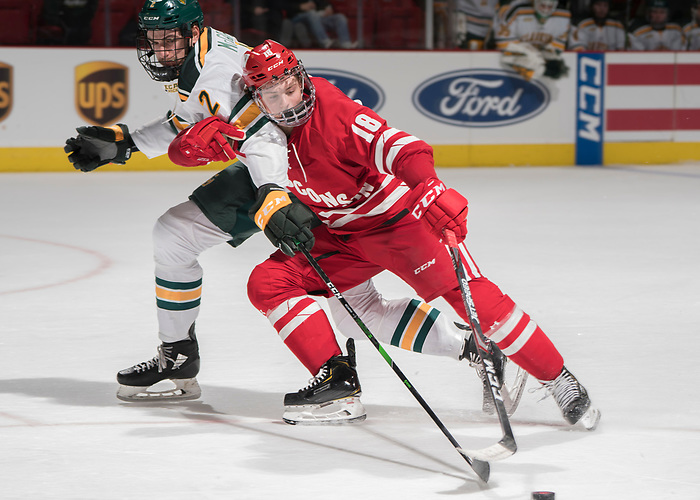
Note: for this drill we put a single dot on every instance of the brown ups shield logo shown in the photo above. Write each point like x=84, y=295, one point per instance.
x=5, y=90
x=101, y=91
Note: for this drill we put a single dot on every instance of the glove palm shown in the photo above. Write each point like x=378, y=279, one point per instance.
x=96, y=146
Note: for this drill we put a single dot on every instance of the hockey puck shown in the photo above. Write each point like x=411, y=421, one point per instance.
x=542, y=495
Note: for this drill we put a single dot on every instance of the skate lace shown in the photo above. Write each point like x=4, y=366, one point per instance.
x=160, y=360
x=475, y=361
x=320, y=376
x=564, y=388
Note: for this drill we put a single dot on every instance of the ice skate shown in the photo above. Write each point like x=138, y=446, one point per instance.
x=511, y=393
x=177, y=362
x=332, y=396
x=573, y=400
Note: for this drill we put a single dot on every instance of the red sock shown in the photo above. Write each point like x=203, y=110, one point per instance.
x=511, y=329
x=305, y=329
x=519, y=337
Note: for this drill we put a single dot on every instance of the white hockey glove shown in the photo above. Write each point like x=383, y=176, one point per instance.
x=523, y=58
x=97, y=146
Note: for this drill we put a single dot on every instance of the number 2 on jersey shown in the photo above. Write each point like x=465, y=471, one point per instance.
x=204, y=96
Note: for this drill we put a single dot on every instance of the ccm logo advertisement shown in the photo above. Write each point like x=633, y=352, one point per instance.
x=589, y=109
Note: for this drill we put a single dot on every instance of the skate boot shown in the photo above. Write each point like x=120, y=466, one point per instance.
x=511, y=393
x=332, y=396
x=573, y=400
x=177, y=362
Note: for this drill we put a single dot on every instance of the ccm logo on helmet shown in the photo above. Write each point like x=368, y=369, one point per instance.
x=278, y=63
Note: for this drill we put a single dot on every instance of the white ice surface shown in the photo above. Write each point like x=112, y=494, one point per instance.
x=605, y=259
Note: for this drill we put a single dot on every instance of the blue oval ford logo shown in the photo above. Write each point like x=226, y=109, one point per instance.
x=480, y=98
x=354, y=86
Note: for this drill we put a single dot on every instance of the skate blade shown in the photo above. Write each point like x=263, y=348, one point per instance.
x=511, y=393
x=185, y=389
x=514, y=392
x=343, y=411
x=590, y=419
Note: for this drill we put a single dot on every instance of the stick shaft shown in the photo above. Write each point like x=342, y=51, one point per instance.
x=481, y=468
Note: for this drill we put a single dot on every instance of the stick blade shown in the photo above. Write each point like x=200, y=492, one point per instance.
x=505, y=448
x=481, y=467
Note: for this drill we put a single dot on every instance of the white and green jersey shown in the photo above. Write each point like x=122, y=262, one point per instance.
x=691, y=33
x=210, y=84
x=588, y=35
x=477, y=16
x=522, y=24
x=647, y=38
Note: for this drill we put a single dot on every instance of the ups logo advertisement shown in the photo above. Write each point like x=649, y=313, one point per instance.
x=101, y=91
x=5, y=90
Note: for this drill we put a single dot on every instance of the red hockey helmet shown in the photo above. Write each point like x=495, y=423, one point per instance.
x=279, y=84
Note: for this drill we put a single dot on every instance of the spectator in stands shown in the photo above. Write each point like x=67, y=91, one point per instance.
x=598, y=33
x=66, y=22
x=691, y=31
x=319, y=18
x=127, y=35
x=474, y=19
x=532, y=37
x=654, y=31
x=263, y=19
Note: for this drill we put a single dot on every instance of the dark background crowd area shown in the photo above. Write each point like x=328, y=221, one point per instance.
x=386, y=24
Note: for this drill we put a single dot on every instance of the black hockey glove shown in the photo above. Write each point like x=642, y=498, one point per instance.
x=555, y=68
x=286, y=223
x=97, y=146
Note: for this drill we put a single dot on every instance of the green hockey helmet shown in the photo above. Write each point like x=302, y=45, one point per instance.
x=164, y=36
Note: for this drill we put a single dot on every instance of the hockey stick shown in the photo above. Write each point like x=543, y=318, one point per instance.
x=506, y=446
x=480, y=467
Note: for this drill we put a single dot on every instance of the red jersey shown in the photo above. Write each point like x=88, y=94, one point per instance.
x=347, y=164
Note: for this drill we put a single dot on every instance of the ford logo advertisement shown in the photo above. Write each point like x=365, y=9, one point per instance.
x=354, y=86
x=480, y=98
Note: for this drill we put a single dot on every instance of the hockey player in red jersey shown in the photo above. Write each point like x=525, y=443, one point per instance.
x=383, y=207
x=194, y=60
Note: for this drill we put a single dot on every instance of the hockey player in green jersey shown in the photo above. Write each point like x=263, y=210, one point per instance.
x=173, y=45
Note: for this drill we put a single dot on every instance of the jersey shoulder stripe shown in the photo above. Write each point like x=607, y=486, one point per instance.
x=523, y=10
x=192, y=67
x=519, y=10
x=247, y=116
x=614, y=23
x=642, y=30
x=203, y=46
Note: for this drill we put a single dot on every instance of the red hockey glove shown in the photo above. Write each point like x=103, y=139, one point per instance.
x=441, y=208
x=205, y=142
